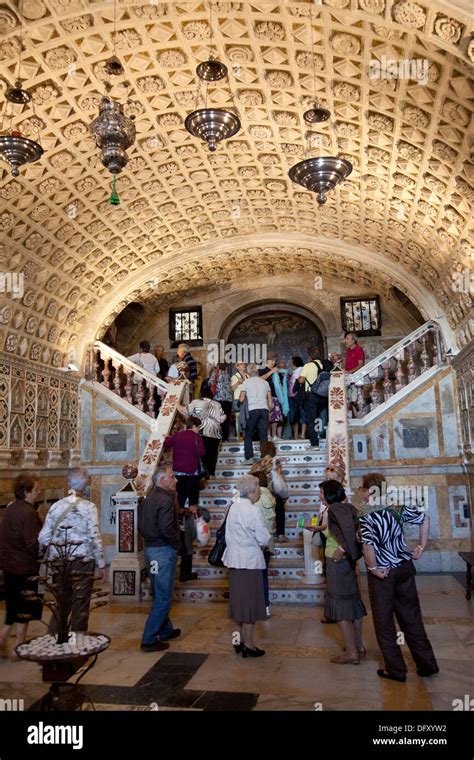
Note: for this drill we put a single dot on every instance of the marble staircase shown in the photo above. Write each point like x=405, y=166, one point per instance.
x=304, y=470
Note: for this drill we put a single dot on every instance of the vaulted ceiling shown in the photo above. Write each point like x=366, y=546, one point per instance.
x=189, y=217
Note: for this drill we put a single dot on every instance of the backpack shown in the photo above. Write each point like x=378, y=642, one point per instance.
x=320, y=387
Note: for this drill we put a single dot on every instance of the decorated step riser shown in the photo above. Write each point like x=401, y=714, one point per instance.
x=294, y=460
x=291, y=473
x=303, y=501
x=303, y=596
x=301, y=483
x=281, y=447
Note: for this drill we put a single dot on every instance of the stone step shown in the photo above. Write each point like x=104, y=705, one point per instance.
x=313, y=458
x=284, y=591
x=287, y=444
x=224, y=477
x=297, y=499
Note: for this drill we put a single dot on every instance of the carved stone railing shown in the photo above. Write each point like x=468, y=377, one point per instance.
x=144, y=391
x=337, y=431
x=125, y=378
x=388, y=374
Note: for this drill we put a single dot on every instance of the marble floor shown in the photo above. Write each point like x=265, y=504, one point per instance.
x=200, y=670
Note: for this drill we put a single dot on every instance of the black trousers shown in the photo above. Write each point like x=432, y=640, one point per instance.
x=225, y=426
x=315, y=409
x=280, y=515
x=81, y=597
x=257, y=420
x=187, y=487
x=210, y=457
x=397, y=596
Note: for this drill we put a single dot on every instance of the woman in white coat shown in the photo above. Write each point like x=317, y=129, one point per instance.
x=245, y=535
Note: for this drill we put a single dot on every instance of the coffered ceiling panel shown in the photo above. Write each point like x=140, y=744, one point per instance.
x=407, y=202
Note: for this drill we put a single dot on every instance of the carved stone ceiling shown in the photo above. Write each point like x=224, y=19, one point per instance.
x=407, y=203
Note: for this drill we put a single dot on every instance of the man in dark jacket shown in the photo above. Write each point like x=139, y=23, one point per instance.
x=158, y=524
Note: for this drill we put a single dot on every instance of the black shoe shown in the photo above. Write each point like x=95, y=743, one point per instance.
x=252, y=652
x=327, y=620
x=239, y=648
x=190, y=577
x=158, y=646
x=173, y=635
x=390, y=676
x=226, y=594
x=427, y=672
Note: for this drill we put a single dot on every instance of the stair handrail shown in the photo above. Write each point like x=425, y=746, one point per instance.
x=107, y=352
x=393, y=351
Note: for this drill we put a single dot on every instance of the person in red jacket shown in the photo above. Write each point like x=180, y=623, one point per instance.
x=355, y=359
x=188, y=448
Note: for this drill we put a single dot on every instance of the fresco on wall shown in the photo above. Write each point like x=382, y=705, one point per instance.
x=285, y=333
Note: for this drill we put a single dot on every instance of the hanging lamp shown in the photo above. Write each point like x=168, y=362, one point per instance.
x=319, y=174
x=212, y=125
x=16, y=149
x=113, y=131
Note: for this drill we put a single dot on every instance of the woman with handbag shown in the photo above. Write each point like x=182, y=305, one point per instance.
x=19, y=551
x=343, y=600
x=188, y=448
x=245, y=535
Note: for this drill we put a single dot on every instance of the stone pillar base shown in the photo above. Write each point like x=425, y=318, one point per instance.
x=5, y=457
x=313, y=567
x=126, y=576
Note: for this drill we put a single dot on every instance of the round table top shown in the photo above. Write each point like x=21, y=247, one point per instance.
x=44, y=649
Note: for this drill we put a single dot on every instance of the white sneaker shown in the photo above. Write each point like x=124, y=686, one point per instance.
x=312, y=448
x=267, y=610
x=249, y=461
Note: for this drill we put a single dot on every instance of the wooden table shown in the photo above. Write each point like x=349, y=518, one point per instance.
x=468, y=558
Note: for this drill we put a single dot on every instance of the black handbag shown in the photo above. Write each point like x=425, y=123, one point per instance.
x=217, y=552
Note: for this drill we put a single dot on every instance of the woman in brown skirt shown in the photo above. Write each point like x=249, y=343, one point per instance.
x=343, y=601
x=245, y=535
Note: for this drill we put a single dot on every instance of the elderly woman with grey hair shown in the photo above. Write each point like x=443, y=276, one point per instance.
x=245, y=535
x=79, y=515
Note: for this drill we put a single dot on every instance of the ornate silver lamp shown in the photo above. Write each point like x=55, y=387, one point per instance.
x=323, y=173
x=320, y=175
x=212, y=124
x=16, y=149
x=113, y=131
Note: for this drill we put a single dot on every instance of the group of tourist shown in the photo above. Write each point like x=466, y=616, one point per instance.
x=297, y=396
x=24, y=539
x=376, y=535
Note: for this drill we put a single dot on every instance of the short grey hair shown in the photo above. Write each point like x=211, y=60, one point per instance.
x=160, y=473
x=77, y=478
x=246, y=485
x=185, y=346
x=252, y=370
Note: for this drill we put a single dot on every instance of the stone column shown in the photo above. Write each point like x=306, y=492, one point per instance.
x=127, y=568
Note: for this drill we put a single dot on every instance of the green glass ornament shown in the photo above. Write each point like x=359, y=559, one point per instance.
x=114, y=199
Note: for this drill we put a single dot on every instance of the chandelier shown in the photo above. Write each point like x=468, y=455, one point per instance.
x=113, y=131
x=319, y=174
x=212, y=125
x=16, y=149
